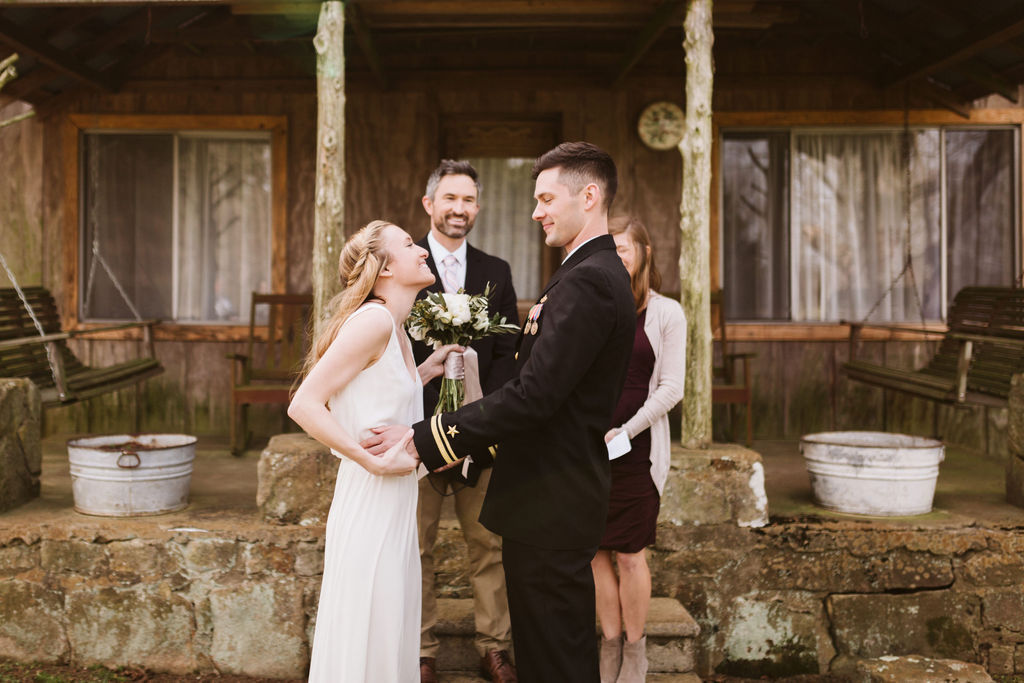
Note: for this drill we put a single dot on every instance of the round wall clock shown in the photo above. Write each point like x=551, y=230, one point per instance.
x=661, y=125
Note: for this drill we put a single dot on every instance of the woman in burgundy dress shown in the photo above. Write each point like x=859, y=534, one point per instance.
x=654, y=384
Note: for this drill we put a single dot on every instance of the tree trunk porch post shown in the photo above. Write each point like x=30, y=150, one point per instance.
x=329, y=211
x=695, y=223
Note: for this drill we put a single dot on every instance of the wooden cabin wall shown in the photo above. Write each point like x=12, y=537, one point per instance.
x=21, y=192
x=193, y=394
x=799, y=389
x=392, y=143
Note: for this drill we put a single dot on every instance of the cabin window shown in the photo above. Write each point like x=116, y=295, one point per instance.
x=818, y=224
x=175, y=224
x=504, y=226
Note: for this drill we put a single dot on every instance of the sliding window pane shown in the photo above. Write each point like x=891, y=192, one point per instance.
x=852, y=226
x=755, y=245
x=126, y=226
x=980, y=201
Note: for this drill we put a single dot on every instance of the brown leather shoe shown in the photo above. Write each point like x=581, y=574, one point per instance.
x=497, y=666
x=428, y=670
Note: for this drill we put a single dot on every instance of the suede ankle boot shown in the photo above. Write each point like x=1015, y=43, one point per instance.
x=634, y=662
x=611, y=658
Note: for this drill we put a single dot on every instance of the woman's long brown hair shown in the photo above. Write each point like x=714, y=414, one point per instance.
x=362, y=259
x=645, y=276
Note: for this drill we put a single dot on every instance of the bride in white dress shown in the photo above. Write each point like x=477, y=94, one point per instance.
x=361, y=374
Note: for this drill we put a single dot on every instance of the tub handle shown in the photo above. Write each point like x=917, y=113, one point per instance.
x=130, y=465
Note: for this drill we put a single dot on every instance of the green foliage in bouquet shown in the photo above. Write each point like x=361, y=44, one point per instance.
x=454, y=318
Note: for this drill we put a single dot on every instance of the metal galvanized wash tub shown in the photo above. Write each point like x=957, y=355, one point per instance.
x=872, y=473
x=125, y=475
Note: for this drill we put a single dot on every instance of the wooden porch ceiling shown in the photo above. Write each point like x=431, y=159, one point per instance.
x=948, y=51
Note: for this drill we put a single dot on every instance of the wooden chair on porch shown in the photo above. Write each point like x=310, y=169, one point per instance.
x=728, y=387
x=265, y=375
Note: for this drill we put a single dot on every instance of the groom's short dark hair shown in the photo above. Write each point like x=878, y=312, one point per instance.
x=581, y=163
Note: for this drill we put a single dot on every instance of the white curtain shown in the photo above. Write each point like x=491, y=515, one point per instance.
x=223, y=229
x=981, y=207
x=849, y=226
x=503, y=227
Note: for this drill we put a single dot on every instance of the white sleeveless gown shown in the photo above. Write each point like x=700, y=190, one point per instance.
x=368, y=621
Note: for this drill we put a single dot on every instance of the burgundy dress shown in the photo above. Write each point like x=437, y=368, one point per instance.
x=634, y=502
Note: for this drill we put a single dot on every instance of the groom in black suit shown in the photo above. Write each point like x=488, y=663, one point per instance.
x=452, y=202
x=548, y=495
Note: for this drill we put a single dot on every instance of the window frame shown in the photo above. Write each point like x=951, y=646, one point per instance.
x=854, y=120
x=76, y=125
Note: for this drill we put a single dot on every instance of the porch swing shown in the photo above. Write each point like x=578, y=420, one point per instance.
x=982, y=348
x=33, y=345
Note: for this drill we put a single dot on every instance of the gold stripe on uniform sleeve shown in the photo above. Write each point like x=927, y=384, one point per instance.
x=493, y=450
x=439, y=439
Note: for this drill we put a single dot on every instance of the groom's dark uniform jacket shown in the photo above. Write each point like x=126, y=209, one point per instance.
x=495, y=354
x=551, y=478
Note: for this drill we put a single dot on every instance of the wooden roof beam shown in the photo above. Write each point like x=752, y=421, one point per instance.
x=364, y=37
x=115, y=35
x=667, y=12
x=52, y=57
x=993, y=32
x=852, y=23
x=7, y=71
x=883, y=24
x=945, y=98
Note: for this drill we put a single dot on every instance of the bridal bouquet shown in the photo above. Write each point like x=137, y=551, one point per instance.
x=454, y=318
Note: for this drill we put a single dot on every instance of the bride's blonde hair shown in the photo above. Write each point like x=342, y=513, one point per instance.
x=362, y=259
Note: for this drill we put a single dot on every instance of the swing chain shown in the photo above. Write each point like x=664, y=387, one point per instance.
x=908, y=256
x=35, y=321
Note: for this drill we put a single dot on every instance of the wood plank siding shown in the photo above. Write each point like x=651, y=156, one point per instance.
x=408, y=91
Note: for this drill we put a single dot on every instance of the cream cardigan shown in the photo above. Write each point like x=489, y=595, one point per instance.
x=665, y=327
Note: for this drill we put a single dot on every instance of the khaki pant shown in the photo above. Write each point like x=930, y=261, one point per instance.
x=486, y=575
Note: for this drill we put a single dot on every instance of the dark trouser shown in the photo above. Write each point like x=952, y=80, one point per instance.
x=551, y=601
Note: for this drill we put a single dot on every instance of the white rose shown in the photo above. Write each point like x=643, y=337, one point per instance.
x=458, y=306
x=481, y=321
x=417, y=333
x=445, y=317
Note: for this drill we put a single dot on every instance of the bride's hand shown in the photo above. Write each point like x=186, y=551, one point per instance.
x=397, y=459
x=433, y=366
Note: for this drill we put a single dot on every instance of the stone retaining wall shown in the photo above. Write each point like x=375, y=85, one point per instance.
x=179, y=601
x=20, y=450
x=785, y=598
x=801, y=598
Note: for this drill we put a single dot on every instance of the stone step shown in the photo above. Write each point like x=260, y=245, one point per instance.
x=671, y=640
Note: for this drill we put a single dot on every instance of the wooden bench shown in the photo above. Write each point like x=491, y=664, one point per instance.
x=46, y=359
x=726, y=386
x=978, y=354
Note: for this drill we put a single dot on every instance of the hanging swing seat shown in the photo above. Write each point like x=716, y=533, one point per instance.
x=976, y=358
x=48, y=361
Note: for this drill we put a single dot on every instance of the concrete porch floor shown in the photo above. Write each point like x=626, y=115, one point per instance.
x=970, y=492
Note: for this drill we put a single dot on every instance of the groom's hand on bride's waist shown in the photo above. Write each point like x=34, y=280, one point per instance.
x=386, y=436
